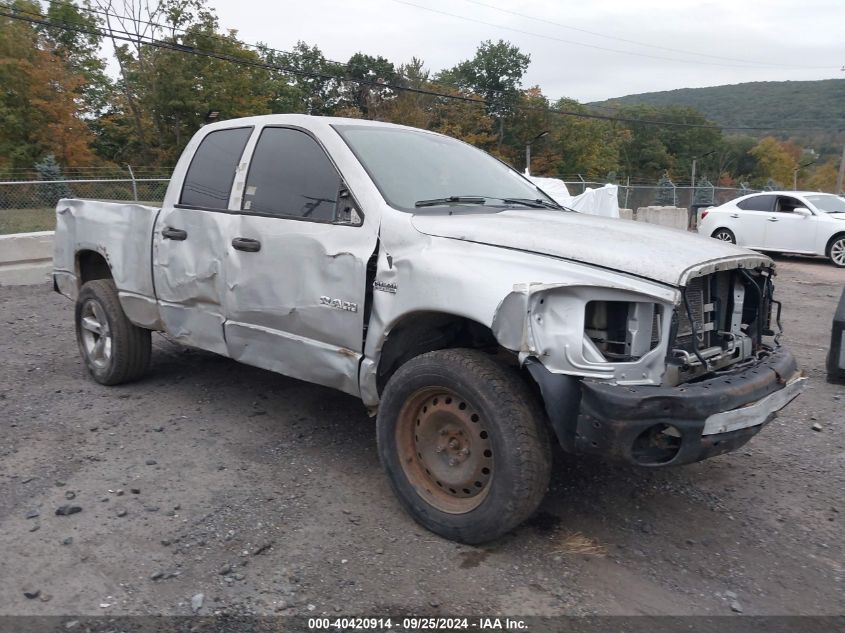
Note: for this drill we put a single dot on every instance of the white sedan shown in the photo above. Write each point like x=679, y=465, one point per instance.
x=782, y=222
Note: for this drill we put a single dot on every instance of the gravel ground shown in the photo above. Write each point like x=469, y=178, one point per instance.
x=265, y=495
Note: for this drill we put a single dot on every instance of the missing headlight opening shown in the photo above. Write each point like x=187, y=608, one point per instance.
x=623, y=331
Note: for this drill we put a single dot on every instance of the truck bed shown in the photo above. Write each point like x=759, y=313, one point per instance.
x=119, y=231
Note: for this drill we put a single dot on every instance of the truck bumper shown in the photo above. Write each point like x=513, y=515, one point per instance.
x=668, y=426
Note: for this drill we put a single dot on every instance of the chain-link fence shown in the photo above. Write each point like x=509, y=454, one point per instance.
x=684, y=196
x=27, y=205
x=32, y=194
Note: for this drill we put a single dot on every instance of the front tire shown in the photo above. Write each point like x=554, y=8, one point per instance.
x=724, y=235
x=836, y=251
x=113, y=349
x=464, y=444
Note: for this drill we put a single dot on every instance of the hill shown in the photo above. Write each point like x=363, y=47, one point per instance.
x=770, y=104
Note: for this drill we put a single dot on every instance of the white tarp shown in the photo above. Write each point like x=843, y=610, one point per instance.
x=603, y=201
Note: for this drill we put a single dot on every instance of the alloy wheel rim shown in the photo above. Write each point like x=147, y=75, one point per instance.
x=96, y=334
x=837, y=252
x=724, y=236
x=445, y=450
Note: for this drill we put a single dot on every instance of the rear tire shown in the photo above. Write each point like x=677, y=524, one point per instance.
x=113, y=349
x=724, y=235
x=464, y=444
x=836, y=250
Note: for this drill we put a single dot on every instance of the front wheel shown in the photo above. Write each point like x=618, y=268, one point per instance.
x=836, y=251
x=464, y=444
x=724, y=235
x=113, y=348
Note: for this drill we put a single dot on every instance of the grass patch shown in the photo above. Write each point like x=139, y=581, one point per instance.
x=575, y=543
x=27, y=220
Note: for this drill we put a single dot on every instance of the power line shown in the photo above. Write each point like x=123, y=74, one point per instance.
x=574, y=43
x=126, y=36
x=637, y=43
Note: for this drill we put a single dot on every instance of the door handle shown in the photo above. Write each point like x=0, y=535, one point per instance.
x=734, y=215
x=773, y=219
x=246, y=244
x=169, y=233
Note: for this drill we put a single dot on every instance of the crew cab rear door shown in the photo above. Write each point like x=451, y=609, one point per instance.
x=191, y=240
x=297, y=264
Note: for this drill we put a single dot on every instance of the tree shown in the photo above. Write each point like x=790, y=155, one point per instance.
x=166, y=93
x=671, y=143
x=495, y=73
x=79, y=49
x=52, y=192
x=704, y=191
x=665, y=192
x=776, y=160
x=366, y=95
x=38, y=100
x=303, y=92
x=413, y=108
x=824, y=177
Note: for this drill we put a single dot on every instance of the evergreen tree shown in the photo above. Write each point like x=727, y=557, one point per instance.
x=51, y=192
x=665, y=192
x=704, y=191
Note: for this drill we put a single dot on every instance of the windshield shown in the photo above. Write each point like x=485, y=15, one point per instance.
x=827, y=203
x=411, y=166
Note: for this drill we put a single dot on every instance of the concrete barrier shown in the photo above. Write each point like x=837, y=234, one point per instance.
x=673, y=217
x=26, y=258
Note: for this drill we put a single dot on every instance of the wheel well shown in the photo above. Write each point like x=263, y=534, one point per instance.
x=721, y=228
x=424, y=332
x=92, y=265
x=831, y=241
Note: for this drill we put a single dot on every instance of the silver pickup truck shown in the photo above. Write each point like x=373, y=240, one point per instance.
x=467, y=310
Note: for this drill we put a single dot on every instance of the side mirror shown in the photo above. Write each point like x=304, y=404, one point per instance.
x=802, y=211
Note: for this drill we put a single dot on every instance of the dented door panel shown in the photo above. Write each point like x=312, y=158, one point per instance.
x=297, y=304
x=190, y=274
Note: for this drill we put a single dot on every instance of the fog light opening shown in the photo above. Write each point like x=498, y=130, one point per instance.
x=658, y=444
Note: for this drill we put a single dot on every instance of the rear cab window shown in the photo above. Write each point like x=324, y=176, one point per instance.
x=208, y=181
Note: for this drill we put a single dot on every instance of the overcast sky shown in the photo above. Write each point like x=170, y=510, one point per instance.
x=769, y=40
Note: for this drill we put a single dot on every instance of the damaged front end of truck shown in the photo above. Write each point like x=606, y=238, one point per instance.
x=652, y=380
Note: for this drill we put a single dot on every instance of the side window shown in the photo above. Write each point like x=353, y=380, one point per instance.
x=787, y=205
x=757, y=203
x=208, y=182
x=291, y=176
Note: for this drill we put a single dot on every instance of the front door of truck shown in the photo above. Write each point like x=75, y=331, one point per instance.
x=296, y=265
x=191, y=241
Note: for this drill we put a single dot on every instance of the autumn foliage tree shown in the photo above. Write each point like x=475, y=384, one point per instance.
x=38, y=100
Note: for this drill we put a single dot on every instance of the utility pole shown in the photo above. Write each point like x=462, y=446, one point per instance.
x=528, y=151
x=134, y=184
x=841, y=171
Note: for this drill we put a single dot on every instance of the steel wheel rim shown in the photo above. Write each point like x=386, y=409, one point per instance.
x=724, y=236
x=445, y=450
x=837, y=252
x=96, y=334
